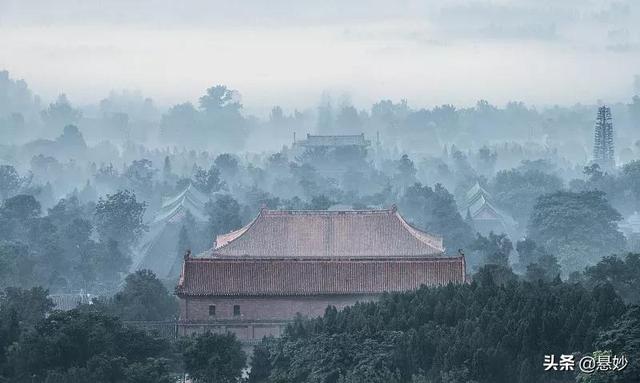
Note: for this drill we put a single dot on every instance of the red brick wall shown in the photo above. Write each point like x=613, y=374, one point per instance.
x=262, y=308
x=259, y=316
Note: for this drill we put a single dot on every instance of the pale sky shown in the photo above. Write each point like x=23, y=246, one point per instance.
x=290, y=52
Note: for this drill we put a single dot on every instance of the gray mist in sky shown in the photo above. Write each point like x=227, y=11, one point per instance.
x=289, y=53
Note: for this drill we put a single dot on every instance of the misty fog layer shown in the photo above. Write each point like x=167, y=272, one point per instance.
x=531, y=169
x=287, y=53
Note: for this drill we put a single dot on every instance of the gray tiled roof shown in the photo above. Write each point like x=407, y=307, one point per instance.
x=354, y=233
x=285, y=276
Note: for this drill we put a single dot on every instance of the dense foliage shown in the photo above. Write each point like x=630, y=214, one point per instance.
x=623, y=273
x=59, y=250
x=119, y=218
x=76, y=346
x=493, y=249
x=579, y=227
x=434, y=210
x=481, y=332
x=80, y=346
x=517, y=189
x=214, y=358
x=88, y=344
x=623, y=338
x=143, y=298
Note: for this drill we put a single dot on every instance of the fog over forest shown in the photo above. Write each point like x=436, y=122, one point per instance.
x=516, y=153
x=132, y=133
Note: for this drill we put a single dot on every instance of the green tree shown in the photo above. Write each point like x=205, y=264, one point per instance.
x=180, y=124
x=16, y=265
x=214, y=358
x=457, y=375
x=320, y=202
x=21, y=207
x=486, y=160
x=228, y=165
x=260, y=364
x=348, y=120
x=119, y=217
x=580, y=228
x=184, y=242
x=224, y=214
x=140, y=176
x=17, y=215
x=435, y=211
x=631, y=179
x=71, y=140
x=623, y=339
x=61, y=113
x=106, y=261
x=546, y=268
x=143, y=298
x=207, y=181
x=495, y=275
x=491, y=330
x=623, y=273
x=20, y=311
x=405, y=171
x=79, y=255
x=10, y=181
x=529, y=251
x=79, y=344
x=495, y=248
x=152, y=370
x=516, y=190
x=28, y=307
x=167, y=171
x=57, y=250
x=219, y=98
x=222, y=118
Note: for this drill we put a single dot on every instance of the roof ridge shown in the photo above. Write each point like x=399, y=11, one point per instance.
x=475, y=191
x=422, y=236
x=189, y=190
x=243, y=230
x=426, y=257
x=335, y=135
x=325, y=212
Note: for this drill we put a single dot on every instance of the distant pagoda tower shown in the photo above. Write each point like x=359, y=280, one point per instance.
x=603, y=140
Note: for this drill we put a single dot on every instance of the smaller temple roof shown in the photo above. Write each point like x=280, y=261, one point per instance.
x=333, y=141
x=475, y=192
x=322, y=233
x=296, y=277
x=173, y=208
x=155, y=250
x=478, y=204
